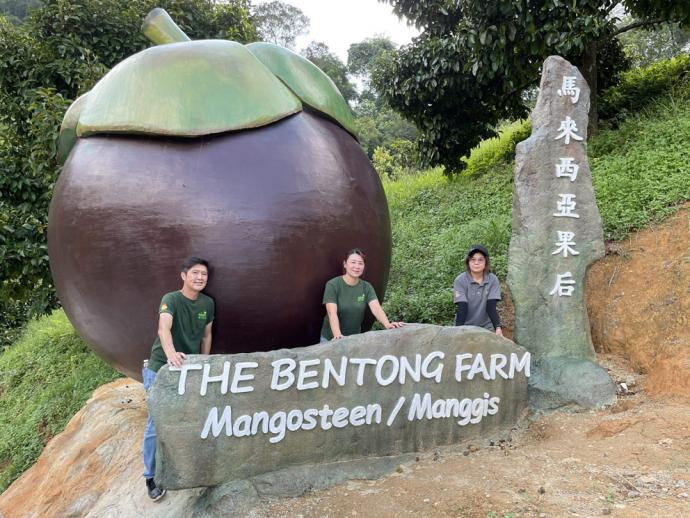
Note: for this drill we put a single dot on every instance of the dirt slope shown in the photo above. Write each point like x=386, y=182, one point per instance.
x=639, y=303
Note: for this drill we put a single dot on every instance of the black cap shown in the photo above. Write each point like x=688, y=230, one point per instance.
x=478, y=248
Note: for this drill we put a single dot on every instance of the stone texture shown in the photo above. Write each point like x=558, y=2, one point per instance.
x=94, y=467
x=561, y=381
x=547, y=324
x=186, y=460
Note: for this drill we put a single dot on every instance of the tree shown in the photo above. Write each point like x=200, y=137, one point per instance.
x=361, y=56
x=58, y=53
x=469, y=67
x=16, y=10
x=379, y=126
x=318, y=53
x=280, y=23
x=644, y=46
x=365, y=56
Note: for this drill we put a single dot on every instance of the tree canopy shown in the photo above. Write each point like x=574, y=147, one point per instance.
x=474, y=59
x=280, y=23
x=318, y=53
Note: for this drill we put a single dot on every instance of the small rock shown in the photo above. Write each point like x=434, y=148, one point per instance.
x=634, y=494
x=522, y=490
x=399, y=469
x=665, y=442
x=466, y=453
x=426, y=500
x=437, y=455
x=645, y=479
x=473, y=447
x=542, y=515
x=542, y=490
x=683, y=495
x=606, y=510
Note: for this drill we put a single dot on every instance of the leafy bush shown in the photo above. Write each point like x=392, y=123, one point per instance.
x=395, y=160
x=45, y=378
x=640, y=86
x=492, y=151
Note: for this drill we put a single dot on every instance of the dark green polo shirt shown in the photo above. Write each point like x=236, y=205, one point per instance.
x=352, y=302
x=190, y=318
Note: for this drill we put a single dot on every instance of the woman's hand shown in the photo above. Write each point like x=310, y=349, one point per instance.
x=499, y=331
x=337, y=337
x=393, y=325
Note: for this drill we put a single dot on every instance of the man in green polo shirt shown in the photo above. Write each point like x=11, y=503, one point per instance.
x=184, y=327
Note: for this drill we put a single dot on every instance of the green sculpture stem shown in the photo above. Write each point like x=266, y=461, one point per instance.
x=160, y=28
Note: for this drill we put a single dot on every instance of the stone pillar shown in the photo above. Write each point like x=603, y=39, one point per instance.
x=557, y=234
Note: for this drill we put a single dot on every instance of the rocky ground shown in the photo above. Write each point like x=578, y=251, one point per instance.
x=631, y=460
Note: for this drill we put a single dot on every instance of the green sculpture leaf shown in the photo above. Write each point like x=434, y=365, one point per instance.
x=306, y=80
x=68, y=128
x=186, y=89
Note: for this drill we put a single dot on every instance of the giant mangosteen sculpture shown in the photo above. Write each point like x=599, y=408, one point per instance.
x=243, y=155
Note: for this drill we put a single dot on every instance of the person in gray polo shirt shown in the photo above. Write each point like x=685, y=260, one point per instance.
x=476, y=292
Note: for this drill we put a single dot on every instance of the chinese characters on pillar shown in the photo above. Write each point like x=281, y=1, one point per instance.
x=566, y=204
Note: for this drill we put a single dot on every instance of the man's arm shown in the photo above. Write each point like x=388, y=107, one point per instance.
x=165, y=321
x=206, y=340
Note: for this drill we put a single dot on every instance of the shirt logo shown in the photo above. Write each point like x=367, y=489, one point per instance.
x=360, y=298
x=164, y=307
x=201, y=315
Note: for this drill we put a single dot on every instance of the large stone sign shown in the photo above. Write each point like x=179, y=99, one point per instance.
x=231, y=417
x=557, y=234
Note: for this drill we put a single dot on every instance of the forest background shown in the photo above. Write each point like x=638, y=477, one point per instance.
x=439, y=118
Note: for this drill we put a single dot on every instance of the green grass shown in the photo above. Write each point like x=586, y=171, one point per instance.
x=641, y=172
x=45, y=378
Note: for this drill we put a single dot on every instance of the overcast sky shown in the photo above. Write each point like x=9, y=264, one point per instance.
x=339, y=23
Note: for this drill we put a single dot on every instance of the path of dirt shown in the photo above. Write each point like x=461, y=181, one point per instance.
x=629, y=461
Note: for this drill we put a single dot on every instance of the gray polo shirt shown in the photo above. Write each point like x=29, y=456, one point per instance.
x=466, y=289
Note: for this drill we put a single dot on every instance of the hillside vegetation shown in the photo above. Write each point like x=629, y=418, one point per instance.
x=44, y=379
x=641, y=171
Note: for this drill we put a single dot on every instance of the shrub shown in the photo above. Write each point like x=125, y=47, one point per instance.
x=640, y=86
x=493, y=151
x=395, y=160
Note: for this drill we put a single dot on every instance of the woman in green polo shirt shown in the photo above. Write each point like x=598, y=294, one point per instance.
x=346, y=298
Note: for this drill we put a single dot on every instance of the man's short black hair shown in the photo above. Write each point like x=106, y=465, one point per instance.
x=193, y=261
